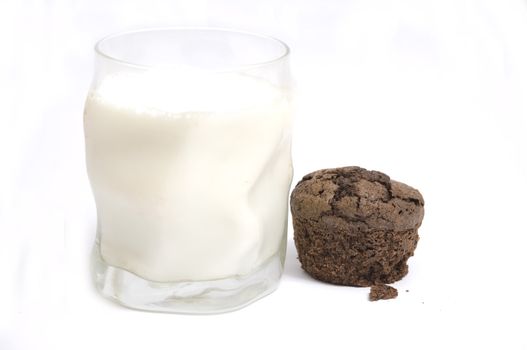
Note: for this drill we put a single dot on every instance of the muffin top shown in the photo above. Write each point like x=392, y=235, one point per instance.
x=367, y=199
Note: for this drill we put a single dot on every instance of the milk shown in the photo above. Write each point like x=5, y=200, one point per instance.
x=190, y=179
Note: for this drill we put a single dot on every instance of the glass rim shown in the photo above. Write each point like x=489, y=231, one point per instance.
x=285, y=50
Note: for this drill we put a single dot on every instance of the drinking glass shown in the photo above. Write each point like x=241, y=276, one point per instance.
x=188, y=152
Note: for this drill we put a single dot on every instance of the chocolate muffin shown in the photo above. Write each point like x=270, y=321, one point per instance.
x=355, y=227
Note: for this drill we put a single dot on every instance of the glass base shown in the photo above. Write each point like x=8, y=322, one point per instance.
x=187, y=297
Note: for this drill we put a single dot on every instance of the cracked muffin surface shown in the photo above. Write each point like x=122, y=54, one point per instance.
x=355, y=227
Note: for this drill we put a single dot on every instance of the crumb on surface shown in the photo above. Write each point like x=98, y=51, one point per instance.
x=382, y=292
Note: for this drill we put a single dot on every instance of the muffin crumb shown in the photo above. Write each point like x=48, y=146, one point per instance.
x=382, y=292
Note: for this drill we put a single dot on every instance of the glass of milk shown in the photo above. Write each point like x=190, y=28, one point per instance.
x=188, y=152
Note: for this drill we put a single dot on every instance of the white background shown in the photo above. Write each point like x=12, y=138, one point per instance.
x=434, y=93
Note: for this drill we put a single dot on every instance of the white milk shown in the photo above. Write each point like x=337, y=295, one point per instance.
x=190, y=181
